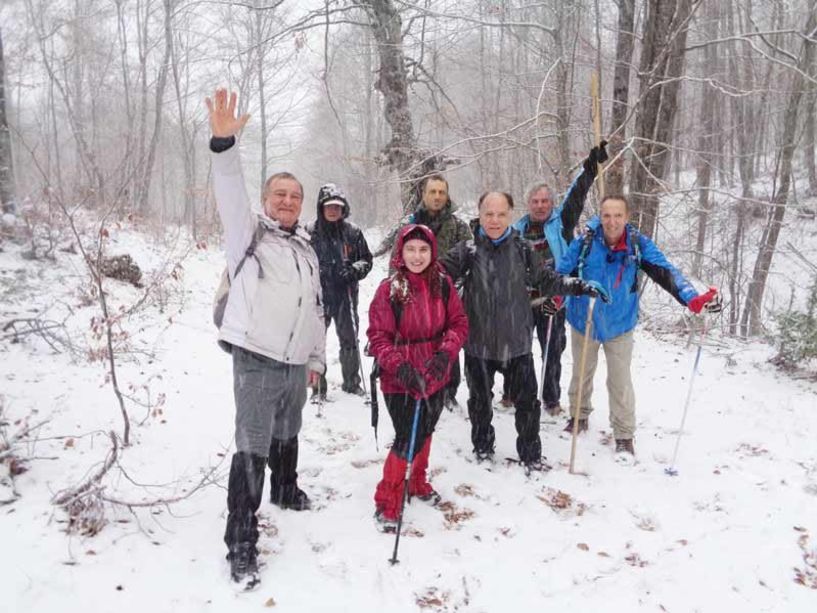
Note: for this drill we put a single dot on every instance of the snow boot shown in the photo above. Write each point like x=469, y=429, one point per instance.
x=386, y=525
x=353, y=388
x=625, y=445
x=553, y=408
x=244, y=489
x=283, y=462
x=583, y=425
x=243, y=560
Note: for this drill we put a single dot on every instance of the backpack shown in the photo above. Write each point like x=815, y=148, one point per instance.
x=587, y=242
x=223, y=290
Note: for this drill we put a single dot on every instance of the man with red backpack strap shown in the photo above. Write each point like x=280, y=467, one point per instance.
x=611, y=253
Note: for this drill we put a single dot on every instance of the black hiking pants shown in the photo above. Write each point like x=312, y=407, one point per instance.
x=401, y=410
x=521, y=376
x=342, y=311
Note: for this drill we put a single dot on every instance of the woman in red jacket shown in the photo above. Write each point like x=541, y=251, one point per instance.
x=417, y=326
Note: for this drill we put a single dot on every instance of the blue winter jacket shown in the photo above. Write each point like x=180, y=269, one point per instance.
x=616, y=271
x=563, y=218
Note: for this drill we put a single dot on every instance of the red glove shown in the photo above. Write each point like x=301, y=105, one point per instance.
x=711, y=301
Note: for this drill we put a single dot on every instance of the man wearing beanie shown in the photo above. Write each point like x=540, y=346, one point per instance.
x=345, y=259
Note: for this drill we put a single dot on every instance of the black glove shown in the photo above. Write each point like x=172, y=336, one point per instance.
x=598, y=155
x=412, y=380
x=347, y=273
x=437, y=365
x=361, y=268
x=552, y=305
x=595, y=289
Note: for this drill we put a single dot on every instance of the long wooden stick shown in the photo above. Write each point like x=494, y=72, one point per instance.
x=588, y=325
x=596, y=113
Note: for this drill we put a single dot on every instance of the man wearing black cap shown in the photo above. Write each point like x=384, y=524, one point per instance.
x=345, y=259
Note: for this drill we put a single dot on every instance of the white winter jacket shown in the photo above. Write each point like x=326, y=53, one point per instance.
x=278, y=311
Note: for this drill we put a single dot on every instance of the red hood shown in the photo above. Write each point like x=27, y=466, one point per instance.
x=397, y=261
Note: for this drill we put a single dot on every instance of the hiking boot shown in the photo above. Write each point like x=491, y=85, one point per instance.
x=433, y=497
x=353, y=389
x=484, y=456
x=536, y=466
x=553, y=408
x=385, y=524
x=625, y=445
x=243, y=562
x=290, y=496
x=583, y=424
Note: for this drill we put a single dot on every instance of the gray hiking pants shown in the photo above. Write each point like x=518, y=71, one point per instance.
x=619, y=354
x=269, y=400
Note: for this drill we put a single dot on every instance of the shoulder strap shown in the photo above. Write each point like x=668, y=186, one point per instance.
x=260, y=229
x=636, y=245
x=525, y=251
x=587, y=242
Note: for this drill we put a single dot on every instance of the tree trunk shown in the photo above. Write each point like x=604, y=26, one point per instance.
x=614, y=173
x=751, y=320
x=662, y=63
x=706, y=143
x=7, y=197
x=809, y=144
x=161, y=82
x=401, y=151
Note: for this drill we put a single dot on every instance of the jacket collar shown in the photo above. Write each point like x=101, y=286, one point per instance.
x=275, y=227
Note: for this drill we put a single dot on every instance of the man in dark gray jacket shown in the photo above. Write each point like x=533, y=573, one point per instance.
x=497, y=268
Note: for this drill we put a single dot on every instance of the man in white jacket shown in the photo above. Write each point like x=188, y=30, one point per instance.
x=273, y=326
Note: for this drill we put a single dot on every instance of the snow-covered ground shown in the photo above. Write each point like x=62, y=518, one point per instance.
x=726, y=534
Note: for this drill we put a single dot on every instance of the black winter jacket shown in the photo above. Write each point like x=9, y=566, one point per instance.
x=336, y=244
x=495, y=281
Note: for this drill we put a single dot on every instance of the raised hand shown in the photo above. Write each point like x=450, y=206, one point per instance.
x=223, y=122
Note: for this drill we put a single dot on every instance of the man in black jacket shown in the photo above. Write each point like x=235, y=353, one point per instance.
x=344, y=260
x=496, y=270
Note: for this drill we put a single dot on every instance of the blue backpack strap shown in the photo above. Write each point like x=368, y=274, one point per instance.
x=587, y=242
x=636, y=247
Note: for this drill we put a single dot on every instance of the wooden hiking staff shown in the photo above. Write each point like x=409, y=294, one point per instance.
x=595, y=111
x=588, y=325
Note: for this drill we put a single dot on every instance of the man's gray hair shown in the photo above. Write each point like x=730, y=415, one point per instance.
x=535, y=187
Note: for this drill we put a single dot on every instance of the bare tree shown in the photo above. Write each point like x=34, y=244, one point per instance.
x=614, y=173
x=662, y=64
x=751, y=320
x=7, y=198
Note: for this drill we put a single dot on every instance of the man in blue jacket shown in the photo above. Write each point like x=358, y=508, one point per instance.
x=611, y=252
x=548, y=229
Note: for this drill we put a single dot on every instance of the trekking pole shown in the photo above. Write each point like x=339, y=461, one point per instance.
x=671, y=470
x=545, y=360
x=588, y=324
x=418, y=405
x=375, y=409
x=355, y=327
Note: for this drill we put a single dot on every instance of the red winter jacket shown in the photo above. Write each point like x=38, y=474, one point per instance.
x=427, y=324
